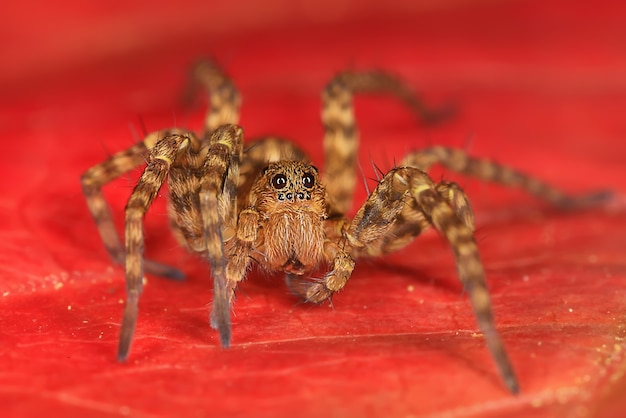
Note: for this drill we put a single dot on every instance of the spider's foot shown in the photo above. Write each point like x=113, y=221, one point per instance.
x=589, y=200
x=129, y=321
x=163, y=270
x=220, y=321
x=311, y=291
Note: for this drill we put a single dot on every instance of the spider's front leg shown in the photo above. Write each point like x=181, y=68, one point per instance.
x=161, y=158
x=218, y=209
x=445, y=208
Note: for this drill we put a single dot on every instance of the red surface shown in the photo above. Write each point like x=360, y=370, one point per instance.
x=540, y=85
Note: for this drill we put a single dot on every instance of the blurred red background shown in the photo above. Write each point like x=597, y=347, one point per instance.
x=539, y=85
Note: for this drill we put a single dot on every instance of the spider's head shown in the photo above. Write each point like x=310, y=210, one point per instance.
x=290, y=199
x=289, y=185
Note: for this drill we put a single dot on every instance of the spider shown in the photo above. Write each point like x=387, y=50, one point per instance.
x=268, y=204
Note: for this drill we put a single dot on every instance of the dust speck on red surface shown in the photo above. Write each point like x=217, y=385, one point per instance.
x=540, y=86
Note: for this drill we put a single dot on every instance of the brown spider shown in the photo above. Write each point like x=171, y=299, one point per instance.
x=267, y=203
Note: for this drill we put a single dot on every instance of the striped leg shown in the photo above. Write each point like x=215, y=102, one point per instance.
x=224, y=98
x=457, y=160
x=341, y=136
x=161, y=158
x=376, y=218
x=218, y=208
x=411, y=221
x=99, y=175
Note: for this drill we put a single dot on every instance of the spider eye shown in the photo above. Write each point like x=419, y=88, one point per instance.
x=279, y=181
x=308, y=180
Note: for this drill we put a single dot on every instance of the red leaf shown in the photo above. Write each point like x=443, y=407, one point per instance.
x=538, y=86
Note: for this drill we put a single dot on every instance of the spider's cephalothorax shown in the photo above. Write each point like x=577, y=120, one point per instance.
x=267, y=203
x=290, y=202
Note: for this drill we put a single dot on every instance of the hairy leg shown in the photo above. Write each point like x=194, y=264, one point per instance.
x=224, y=99
x=379, y=213
x=161, y=157
x=99, y=175
x=341, y=135
x=411, y=222
x=483, y=169
x=217, y=198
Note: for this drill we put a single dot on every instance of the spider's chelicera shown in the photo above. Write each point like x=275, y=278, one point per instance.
x=267, y=204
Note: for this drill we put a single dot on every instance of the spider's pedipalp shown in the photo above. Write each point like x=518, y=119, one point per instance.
x=319, y=290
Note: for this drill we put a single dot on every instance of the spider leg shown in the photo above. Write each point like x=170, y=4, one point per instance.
x=459, y=201
x=341, y=134
x=383, y=82
x=218, y=190
x=457, y=160
x=162, y=155
x=224, y=98
x=382, y=209
x=99, y=175
x=411, y=222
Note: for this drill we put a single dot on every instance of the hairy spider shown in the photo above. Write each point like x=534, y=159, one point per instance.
x=267, y=203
